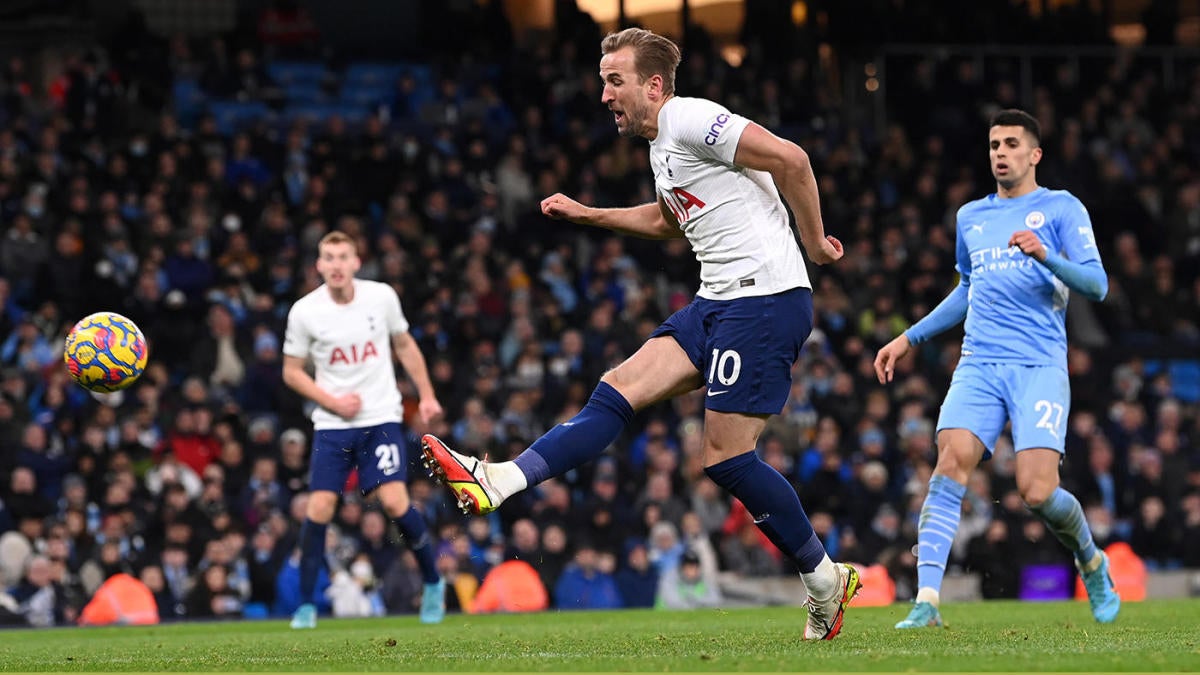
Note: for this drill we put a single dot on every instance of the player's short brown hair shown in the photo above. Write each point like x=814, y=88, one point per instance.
x=337, y=237
x=653, y=54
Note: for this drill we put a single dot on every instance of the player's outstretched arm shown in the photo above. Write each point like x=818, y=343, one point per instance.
x=646, y=221
x=296, y=377
x=789, y=166
x=889, y=354
x=410, y=356
x=949, y=313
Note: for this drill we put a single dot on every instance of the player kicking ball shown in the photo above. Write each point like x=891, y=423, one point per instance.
x=716, y=176
x=1020, y=252
x=349, y=327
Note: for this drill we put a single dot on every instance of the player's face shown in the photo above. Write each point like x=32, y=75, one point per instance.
x=337, y=264
x=624, y=92
x=1013, y=155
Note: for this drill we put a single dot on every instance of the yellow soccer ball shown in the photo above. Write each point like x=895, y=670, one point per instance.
x=105, y=352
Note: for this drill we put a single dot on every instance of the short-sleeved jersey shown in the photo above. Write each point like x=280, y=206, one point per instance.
x=732, y=216
x=1016, y=307
x=350, y=346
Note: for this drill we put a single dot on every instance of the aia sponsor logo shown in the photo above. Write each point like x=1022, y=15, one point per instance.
x=681, y=202
x=353, y=354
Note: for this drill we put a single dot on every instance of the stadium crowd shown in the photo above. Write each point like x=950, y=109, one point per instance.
x=203, y=233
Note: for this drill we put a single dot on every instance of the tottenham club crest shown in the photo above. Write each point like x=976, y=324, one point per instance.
x=1035, y=219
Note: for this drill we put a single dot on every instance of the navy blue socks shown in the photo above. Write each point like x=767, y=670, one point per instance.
x=416, y=534
x=775, y=506
x=579, y=440
x=312, y=557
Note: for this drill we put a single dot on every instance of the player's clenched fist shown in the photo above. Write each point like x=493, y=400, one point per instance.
x=346, y=406
x=828, y=250
x=430, y=409
x=1029, y=243
x=563, y=207
x=885, y=360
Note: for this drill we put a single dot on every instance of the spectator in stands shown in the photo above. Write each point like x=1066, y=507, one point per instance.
x=109, y=559
x=40, y=597
x=152, y=576
x=462, y=586
x=402, y=585
x=746, y=555
x=1190, y=543
x=221, y=353
x=687, y=586
x=352, y=592
x=17, y=547
x=1153, y=538
x=584, y=584
x=637, y=579
x=990, y=554
x=212, y=597
x=555, y=556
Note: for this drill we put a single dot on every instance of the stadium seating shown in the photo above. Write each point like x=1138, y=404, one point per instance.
x=286, y=73
x=234, y=116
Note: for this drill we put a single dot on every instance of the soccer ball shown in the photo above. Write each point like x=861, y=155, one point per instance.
x=105, y=352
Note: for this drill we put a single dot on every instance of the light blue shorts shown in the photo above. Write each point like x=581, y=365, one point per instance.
x=984, y=396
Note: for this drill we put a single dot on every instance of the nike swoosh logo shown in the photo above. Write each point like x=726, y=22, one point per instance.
x=718, y=393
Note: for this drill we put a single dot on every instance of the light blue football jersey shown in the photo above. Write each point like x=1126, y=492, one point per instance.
x=1016, y=307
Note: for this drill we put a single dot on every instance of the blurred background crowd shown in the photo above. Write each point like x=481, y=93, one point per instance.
x=185, y=182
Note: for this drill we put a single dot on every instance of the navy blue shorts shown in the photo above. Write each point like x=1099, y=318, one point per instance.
x=744, y=348
x=377, y=451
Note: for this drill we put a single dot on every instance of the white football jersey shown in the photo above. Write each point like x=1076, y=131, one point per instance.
x=733, y=216
x=351, y=349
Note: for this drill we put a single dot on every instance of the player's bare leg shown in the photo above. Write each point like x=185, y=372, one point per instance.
x=657, y=371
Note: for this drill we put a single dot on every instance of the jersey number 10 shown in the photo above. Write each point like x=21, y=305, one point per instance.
x=725, y=366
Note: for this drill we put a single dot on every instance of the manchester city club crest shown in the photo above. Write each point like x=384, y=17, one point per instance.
x=1035, y=219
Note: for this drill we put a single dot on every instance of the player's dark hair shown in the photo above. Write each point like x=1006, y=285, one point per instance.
x=653, y=54
x=1019, y=118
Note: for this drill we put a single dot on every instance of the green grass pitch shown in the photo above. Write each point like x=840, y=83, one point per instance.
x=993, y=636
